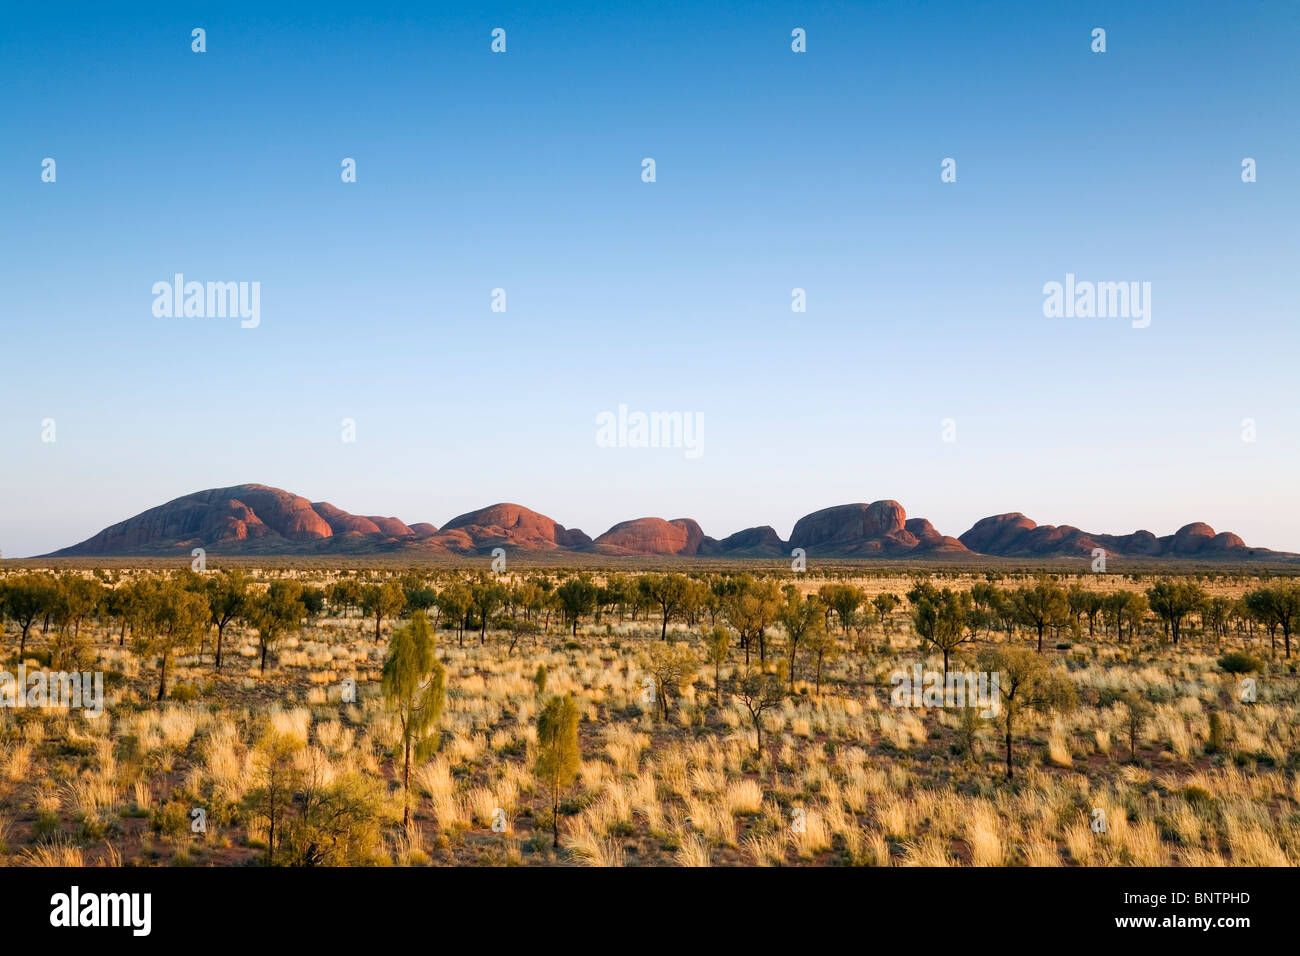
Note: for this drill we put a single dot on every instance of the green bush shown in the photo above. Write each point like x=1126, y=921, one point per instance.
x=171, y=818
x=1239, y=662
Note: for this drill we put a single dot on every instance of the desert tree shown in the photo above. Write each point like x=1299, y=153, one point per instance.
x=822, y=648
x=226, y=593
x=577, y=597
x=922, y=589
x=844, y=600
x=669, y=591
x=346, y=594
x=414, y=685
x=170, y=620
x=487, y=596
x=717, y=647
x=26, y=597
x=81, y=598
x=1128, y=608
x=750, y=608
x=275, y=612
x=1137, y=711
x=758, y=692
x=1025, y=682
x=1006, y=611
x=116, y=610
x=1042, y=606
x=419, y=595
x=1216, y=616
x=273, y=765
x=801, y=617
x=940, y=620
x=1093, y=605
x=382, y=600
x=529, y=597
x=884, y=604
x=1278, y=608
x=1172, y=602
x=984, y=596
x=313, y=600
x=558, y=754
x=455, y=601
x=334, y=818
x=695, y=600
x=672, y=667
x=1076, y=598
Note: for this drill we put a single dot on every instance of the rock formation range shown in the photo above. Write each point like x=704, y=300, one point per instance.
x=259, y=520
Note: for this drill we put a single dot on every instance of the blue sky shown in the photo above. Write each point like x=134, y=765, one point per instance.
x=775, y=170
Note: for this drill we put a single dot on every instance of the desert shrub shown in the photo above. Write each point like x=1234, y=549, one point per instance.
x=1239, y=662
x=171, y=818
x=46, y=825
x=184, y=693
x=1215, y=743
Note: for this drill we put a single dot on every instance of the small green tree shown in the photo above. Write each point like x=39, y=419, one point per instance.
x=558, y=754
x=382, y=600
x=718, y=647
x=455, y=600
x=274, y=613
x=577, y=597
x=345, y=595
x=759, y=691
x=940, y=620
x=750, y=606
x=884, y=604
x=273, y=767
x=1025, y=682
x=1137, y=711
x=669, y=591
x=414, y=687
x=1172, y=602
x=673, y=668
x=801, y=618
x=1277, y=607
x=170, y=620
x=487, y=596
x=822, y=647
x=844, y=600
x=26, y=597
x=1042, y=606
x=226, y=594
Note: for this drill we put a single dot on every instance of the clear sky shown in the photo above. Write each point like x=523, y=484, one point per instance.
x=774, y=170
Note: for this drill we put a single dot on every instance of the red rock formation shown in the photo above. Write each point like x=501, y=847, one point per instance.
x=508, y=526
x=880, y=528
x=256, y=519
x=751, y=543
x=391, y=526
x=682, y=536
x=341, y=522
x=242, y=514
x=1014, y=535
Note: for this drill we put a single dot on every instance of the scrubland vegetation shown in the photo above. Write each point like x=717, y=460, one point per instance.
x=436, y=717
